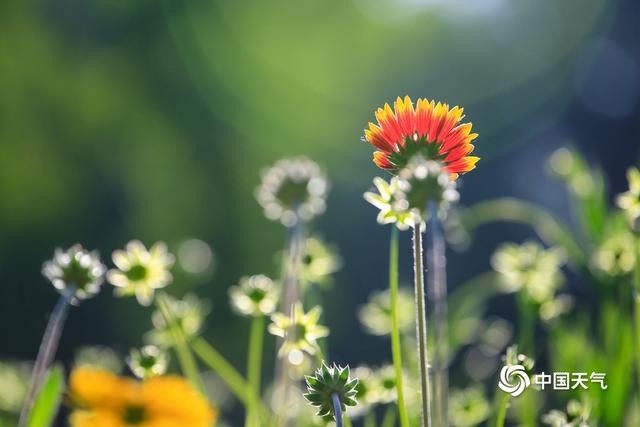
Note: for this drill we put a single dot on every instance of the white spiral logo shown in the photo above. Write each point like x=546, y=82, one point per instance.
x=513, y=380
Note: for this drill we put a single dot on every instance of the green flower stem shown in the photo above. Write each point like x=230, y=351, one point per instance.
x=389, y=417
x=437, y=287
x=187, y=362
x=503, y=405
x=223, y=368
x=636, y=310
x=421, y=324
x=396, y=345
x=347, y=422
x=254, y=364
x=291, y=294
x=47, y=350
x=291, y=267
x=370, y=419
x=527, y=325
x=526, y=344
x=337, y=409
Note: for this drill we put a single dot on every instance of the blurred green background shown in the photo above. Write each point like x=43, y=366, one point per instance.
x=153, y=119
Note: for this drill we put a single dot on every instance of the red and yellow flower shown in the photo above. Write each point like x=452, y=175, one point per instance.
x=431, y=129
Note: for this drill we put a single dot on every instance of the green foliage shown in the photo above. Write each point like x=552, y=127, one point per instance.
x=597, y=334
x=326, y=382
x=46, y=405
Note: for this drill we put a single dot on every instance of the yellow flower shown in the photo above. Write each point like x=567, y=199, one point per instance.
x=300, y=330
x=629, y=201
x=141, y=271
x=102, y=399
x=392, y=209
x=531, y=268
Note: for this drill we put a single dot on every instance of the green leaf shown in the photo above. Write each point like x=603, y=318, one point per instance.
x=46, y=405
x=587, y=187
x=344, y=375
x=551, y=230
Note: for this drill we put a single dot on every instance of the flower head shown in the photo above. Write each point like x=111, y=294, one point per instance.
x=423, y=181
x=102, y=399
x=254, y=296
x=393, y=210
x=629, y=201
x=433, y=130
x=468, y=407
x=140, y=271
x=576, y=415
x=14, y=378
x=375, y=315
x=188, y=314
x=319, y=261
x=293, y=189
x=327, y=382
x=554, y=308
x=531, y=268
x=149, y=361
x=512, y=357
x=364, y=390
x=78, y=268
x=300, y=330
x=383, y=388
x=616, y=256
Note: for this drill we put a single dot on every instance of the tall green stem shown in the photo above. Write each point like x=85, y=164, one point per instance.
x=370, y=419
x=214, y=360
x=528, y=317
x=396, y=345
x=527, y=325
x=421, y=324
x=254, y=364
x=291, y=294
x=291, y=268
x=389, y=417
x=503, y=405
x=636, y=311
x=187, y=362
x=47, y=350
x=437, y=287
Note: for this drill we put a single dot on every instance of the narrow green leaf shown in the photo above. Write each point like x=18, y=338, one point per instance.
x=46, y=405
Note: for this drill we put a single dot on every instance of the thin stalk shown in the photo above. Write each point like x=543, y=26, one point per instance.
x=254, y=364
x=370, y=419
x=636, y=311
x=527, y=325
x=421, y=324
x=528, y=316
x=186, y=360
x=396, y=345
x=389, y=417
x=47, y=350
x=291, y=268
x=337, y=409
x=214, y=360
x=437, y=287
x=503, y=405
x=291, y=294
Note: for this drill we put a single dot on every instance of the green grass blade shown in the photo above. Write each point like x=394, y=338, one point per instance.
x=46, y=405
